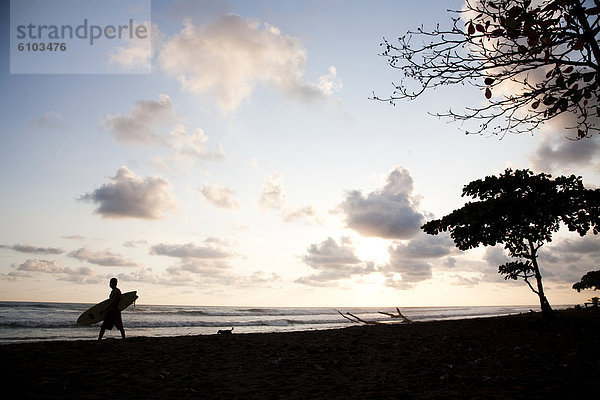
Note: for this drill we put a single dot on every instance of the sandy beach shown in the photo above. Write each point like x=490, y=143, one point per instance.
x=519, y=356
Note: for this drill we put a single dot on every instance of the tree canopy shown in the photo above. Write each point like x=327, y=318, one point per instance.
x=591, y=280
x=521, y=210
x=533, y=61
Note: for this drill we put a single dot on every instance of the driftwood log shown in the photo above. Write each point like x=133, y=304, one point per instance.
x=353, y=318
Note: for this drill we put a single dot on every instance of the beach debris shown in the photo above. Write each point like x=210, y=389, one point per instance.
x=399, y=315
x=353, y=318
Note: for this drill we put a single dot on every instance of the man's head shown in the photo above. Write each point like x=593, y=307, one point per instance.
x=113, y=283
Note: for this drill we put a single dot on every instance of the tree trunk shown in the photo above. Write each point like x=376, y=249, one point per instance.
x=545, y=305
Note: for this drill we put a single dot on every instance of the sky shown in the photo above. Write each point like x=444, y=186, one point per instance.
x=235, y=156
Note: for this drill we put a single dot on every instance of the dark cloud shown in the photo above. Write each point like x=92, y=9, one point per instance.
x=333, y=262
x=105, y=258
x=130, y=196
x=22, y=248
x=557, y=154
x=567, y=260
x=563, y=261
x=409, y=261
x=411, y=270
x=495, y=256
x=425, y=246
x=410, y=273
x=188, y=250
x=390, y=213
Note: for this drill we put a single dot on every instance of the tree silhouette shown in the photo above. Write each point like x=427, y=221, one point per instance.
x=591, y=280
x=522, y=211
x=533, y=61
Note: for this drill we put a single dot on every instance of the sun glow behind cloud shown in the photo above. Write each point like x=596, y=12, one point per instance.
x=373, y=249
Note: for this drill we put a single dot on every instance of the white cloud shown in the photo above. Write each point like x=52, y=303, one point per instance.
x=136, y=56
x=220, y=196
x=231, y=55
x=190, y=148
x=273, y=197
x=105, y=258
x=328, y=84
x=128, y=195
x=390, y=213
x=138, y=127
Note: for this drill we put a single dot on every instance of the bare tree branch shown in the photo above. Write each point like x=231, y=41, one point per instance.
x=533, y=62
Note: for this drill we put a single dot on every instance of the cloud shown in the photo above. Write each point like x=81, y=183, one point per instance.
x=496, y=256
x=105, y=258
x=333, y=261
x=409, y=261
x=192, y=145
x=49, y=120
x=425, y=246
x=135, y=243
x=563, y=261
x=390, y=212
x=231, y=55
x=567, y=260
x=556, y=153
x=22, y=248
x=206, y=268
x=74, y=237
x=272, y=197
x=145, y=275
x=328, y=84
x=138, y=127
x=136, y=56
x=127, y=195
x=220, y=196
x=32, y=267
x=188, y=250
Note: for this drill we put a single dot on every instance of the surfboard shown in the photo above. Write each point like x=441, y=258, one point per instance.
x=94, y=315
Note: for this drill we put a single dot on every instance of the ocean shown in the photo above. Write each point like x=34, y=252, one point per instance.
x=31, y=322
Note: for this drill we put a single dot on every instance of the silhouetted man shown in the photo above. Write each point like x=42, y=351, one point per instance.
x=113, y=313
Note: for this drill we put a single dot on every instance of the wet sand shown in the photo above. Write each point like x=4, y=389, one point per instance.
x=512, y=357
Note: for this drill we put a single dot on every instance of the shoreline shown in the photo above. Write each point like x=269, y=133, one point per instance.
x=516, y=356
